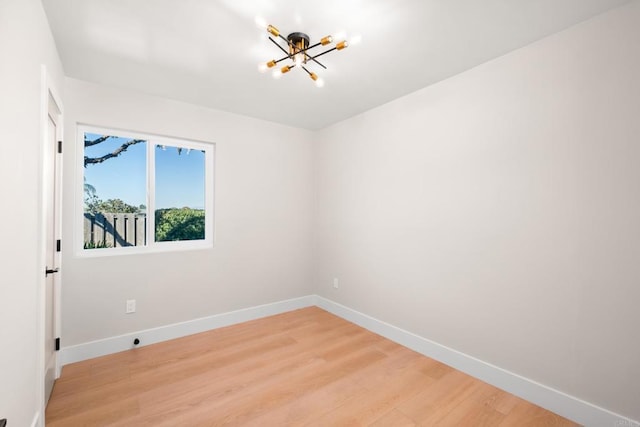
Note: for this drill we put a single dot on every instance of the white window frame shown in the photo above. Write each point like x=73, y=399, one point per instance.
x=151, y=246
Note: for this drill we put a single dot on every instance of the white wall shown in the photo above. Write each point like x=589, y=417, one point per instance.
x=262, y=251
x=497, y=212
x=25, y=44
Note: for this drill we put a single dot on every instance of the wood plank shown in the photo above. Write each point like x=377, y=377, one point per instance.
x=394, y=418
x=305, y=367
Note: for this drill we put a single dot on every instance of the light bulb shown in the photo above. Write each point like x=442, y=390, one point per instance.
x=262, y=67
x=319, y=82
x=261, y=23
x=276, y=74
x=355, y=40
x=340, y=35
x=298, y=60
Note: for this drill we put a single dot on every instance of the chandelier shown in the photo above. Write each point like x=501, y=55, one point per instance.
x=298, y=52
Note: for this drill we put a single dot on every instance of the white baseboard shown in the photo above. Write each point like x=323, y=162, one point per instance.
x=36, y=420
x=556, y=401
x=89, y=350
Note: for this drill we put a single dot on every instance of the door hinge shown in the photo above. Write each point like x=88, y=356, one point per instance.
x=58, y=344
x=59, y=146
x=48, y=271
x=58, y=245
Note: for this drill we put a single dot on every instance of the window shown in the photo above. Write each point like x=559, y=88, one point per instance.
x=143, y=193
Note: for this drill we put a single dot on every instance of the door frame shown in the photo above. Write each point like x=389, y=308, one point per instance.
x=47, y=157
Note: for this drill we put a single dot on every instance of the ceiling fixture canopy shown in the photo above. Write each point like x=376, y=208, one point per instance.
x=298, y=52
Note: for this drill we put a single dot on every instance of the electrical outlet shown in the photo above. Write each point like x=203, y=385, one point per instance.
x=131, y=306
x=336, y=283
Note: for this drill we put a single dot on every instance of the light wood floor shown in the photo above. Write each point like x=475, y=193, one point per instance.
x=305, y=367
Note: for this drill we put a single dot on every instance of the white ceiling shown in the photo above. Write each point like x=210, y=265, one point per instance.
x=206, y=52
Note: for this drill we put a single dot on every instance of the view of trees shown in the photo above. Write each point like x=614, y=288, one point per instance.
x=94, y=205
x=171, y=224
x=179, y=224
x=111, y=155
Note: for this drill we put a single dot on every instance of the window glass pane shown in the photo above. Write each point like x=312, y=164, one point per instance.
x=115, y=184
x=179, y=194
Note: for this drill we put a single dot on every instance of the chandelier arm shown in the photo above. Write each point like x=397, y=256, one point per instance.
x=309, y=48
x=296, y=50
x=289, y=43
x=305, y=68
x=282, y=59
x=313, y=58
x=305, y=50
x=322, y=53
x=280, y=47
x=317, y=62
x=286, y=40
x=289, y=56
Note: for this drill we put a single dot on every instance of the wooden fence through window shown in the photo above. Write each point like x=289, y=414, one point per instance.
x=111, y=230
